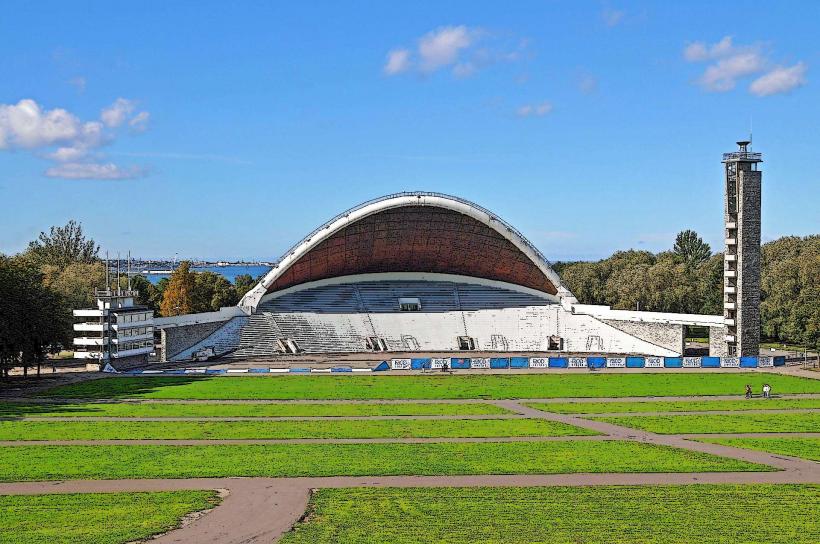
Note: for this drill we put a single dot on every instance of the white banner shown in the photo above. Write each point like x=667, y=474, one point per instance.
x=765, y=361
x=653, y=362
x=616, y=362
x=439, y=363
x=400, y=364
x=480, y=363
x=539, y=362
x=730, y=362
x=577, y=362
x=691, y=362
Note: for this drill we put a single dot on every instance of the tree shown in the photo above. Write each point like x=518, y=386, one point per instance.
x=178, y=298
x=243, y=283
x=211, y=292
x=63, y=246
x=34, y=320
x=691, y=248
x=148, y=294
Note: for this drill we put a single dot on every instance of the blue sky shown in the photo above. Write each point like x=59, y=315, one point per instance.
x=229, y=131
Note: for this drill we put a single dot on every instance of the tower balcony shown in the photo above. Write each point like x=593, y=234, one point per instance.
x=730, y=305
x=730, y=273
x=730, y=258
x=731, y=241
x=729, y=338
x=730, y=289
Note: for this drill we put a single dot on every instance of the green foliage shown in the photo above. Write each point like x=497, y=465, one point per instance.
x=96, y=518
x=285, y=429
x=459, y=386
x=243, y=283
x=34, y=320
x=691, y=248
x=797, y=422
x=26, y=463
x=679, y=514
x=244, y=409
x=63, y=246
x=211, y=292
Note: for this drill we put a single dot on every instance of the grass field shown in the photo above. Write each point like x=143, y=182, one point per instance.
x=493, y=386
x=23, y=463
x=674, y=406
x=130, y=409
x=96, y=518
x=195, y=430
x=807, y=448
x=805, y=422
x=704, y=514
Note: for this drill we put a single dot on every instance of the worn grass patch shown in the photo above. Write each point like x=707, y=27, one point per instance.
x=96, y=518
x=706, y=514
x=798, y=422
x=221, y=430
x=493, y=386
x=673, y=406
x=131, y=409
x=22, y=463
x=806, y=448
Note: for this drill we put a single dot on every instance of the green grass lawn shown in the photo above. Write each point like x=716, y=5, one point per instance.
x=807, y=448
x=717, y=423
x=494, y=386
x=673, y=406
x=22, y=463
x=195, y=430
x=96, y=518
x=703, y=514
x=130, y=409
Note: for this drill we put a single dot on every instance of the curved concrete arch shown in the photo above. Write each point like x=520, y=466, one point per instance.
x=437, y=200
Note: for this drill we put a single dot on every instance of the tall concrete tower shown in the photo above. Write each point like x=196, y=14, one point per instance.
x=741, y=269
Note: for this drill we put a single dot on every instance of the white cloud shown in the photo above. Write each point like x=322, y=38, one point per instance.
x=26, y=125
x=116, y=114
x=780, y=80
x=534, y=110
x=612, y=17
x=443, y=46
x=88, y=170
x=398, y=61
x=730, y=63
x=62, y=137
x=723, y=75
x=451, y=47
x=78, y=83
x=139, y=122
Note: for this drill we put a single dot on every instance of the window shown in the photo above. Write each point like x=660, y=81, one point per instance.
x=465, y=343
x=409, y=304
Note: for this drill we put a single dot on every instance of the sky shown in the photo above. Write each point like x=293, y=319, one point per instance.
x=224, y=130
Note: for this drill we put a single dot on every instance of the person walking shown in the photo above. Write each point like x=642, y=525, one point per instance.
x=748, y=391
x=767, y=390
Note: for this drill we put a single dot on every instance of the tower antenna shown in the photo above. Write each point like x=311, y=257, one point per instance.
x=118, y=273
x=107, y=273
x=128, y=273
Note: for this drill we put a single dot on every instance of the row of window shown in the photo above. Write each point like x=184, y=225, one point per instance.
x=136, y=331
x=134, y=318
x=135, y=345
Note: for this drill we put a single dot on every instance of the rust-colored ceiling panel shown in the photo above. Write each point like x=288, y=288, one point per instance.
x=417, y=239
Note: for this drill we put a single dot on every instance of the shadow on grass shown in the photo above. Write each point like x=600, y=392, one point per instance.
x=120, y=387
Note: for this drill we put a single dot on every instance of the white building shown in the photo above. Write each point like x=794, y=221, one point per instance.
x=115, y=329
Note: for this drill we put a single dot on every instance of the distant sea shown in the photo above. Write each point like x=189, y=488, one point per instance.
x=230, y=272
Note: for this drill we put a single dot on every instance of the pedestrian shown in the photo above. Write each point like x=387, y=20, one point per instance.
x=748, y=391
x=767, y=389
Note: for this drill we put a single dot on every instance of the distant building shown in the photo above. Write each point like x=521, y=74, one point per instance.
x=116, y=330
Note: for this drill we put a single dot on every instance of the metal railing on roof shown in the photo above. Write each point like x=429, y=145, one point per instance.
x=420, y=194
x=743, y=156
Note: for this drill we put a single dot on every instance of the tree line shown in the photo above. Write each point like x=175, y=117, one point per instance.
x=689, y=279
x=60, y=270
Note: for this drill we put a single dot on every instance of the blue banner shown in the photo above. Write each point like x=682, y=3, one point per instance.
x=748, y=362
x=596, y=362
x=384, y=365
x=558, y=362
x=710, y=362
x=519, y=362
x=419, y=364
x=459, y=363
x=780, y=360
x=673, y=362
x=499, y=362
x=635, y=362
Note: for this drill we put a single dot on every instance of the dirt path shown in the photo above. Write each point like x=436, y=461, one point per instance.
x=258, y=510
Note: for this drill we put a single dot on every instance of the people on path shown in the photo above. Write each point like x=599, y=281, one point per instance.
x=748, y=391
x=767, y=390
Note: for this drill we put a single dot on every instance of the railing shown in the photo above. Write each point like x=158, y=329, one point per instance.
x=101, y=293
x=491, y=215
x=743, y=156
